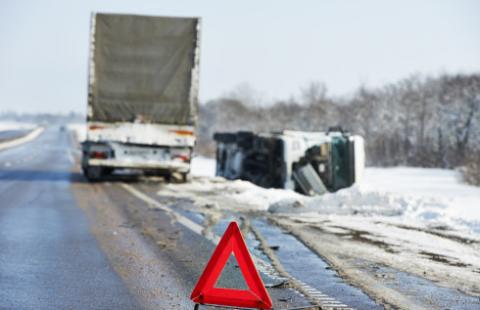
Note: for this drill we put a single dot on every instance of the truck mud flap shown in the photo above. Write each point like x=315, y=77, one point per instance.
x=308, y=180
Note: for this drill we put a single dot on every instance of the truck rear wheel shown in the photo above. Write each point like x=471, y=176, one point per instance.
x=184, y=177
x=93, y=173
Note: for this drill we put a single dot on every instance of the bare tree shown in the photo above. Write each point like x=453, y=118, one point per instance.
x=420, y=121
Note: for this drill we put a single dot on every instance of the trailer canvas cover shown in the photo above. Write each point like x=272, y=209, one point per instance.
x=143, y=68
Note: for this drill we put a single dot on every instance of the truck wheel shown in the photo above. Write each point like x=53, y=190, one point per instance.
x=184, y=177
x=167, y=177
x=107, y=171
x=93, y=173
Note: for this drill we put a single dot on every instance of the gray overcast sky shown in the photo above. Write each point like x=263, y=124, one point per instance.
x=275, y=46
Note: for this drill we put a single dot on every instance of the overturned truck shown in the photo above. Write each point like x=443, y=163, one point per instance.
x=311, y=163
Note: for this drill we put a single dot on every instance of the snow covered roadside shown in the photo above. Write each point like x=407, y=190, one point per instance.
x=79, y=130
x=359, y=248
x=7, y=126
x=202, y=166
x=432, y=197
x=445, y=196
x=220, y=194
x=11, y=125
x=420, y=221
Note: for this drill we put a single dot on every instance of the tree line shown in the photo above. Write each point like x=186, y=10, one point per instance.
x=417, y=121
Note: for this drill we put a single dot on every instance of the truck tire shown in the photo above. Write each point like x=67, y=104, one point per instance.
x=93, y=173
x=107, y=171
x=184, y=177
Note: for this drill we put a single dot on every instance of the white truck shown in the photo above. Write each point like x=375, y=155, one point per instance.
x=142, y=94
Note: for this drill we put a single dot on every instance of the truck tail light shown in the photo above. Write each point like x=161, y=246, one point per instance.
x=184, y=158
x=183, y=132
x=94, y=127
x=98, y=155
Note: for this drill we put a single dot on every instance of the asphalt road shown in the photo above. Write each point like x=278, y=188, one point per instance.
x=69, y=244
x=66, y=243
x=48, y=257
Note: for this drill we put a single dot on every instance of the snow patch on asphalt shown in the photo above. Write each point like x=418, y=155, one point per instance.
x=235, y=195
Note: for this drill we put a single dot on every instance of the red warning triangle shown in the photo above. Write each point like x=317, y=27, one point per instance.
x=205, y=291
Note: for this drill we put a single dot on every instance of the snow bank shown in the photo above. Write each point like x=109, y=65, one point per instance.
x=35, y=131
x=202, y=166
x=452, y=198
x=347, y=201
x=12, y=125
x=27, y=138
x=421, y=221
x=430, y=211
x=223, y=194
x=431, y=197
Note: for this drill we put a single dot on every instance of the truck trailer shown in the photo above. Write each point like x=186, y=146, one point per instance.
x=142, y=94
x=311, y=163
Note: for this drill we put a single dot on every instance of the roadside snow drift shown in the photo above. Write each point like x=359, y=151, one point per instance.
x=412, y=195
x=421, y=221
x=11, y=125
x=79, y=129
x=235, y=195
x=32, y=132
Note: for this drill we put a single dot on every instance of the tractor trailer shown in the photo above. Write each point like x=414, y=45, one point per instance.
x=142, y=94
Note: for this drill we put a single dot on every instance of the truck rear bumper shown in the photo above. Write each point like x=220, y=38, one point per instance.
x=172, y=166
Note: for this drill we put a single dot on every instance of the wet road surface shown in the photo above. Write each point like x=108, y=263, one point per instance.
x=69, y=244
x=48, y=257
